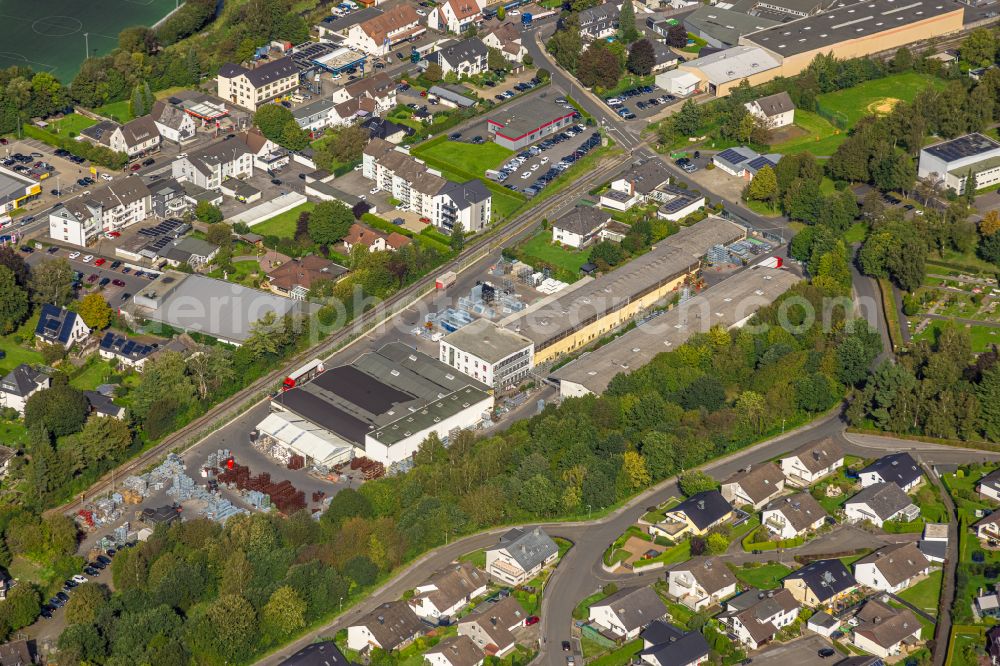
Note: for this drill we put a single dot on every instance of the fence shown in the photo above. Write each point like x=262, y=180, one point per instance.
x=589, y=632
x=836, y=118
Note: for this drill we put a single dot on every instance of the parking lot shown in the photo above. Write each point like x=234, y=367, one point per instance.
x=640, y=102
x=287, y=178
x=115, y=294
x=533, y=168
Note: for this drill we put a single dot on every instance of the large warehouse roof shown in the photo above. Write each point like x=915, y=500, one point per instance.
x=724, y=304
x=842, y=24
x=380, y=390
x=486, y=340
x=671, y=258
x=969, y=145
x=734, y=64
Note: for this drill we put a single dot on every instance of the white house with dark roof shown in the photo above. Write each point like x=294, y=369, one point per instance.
x=989, y=486
x=988, y=527
x=111, y=207
x=881, y=503
x=448, y=591
x=173, y=123
x=251, y=88
x=59, y=326
x=788, y=517
x=491, y=626
x=104, y=405
x=754, y=485
x=20, y=384
x=885, y=631
x=506, y=37
x=520, y=555
x=627, y=612
x=207, y=167
x=812, y=461
x=744, y=162
x=756, y=616
x=701, y=582
x=892, y=568
x=898, y=468
x=465, y=58
x=666, y=645
x=774, y=111
x=128, y=353
x=934, y=542
x=581, y=226
x=378, y=34
x=599, y=22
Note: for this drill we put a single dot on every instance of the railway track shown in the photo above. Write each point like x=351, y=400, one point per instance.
x=219, y=415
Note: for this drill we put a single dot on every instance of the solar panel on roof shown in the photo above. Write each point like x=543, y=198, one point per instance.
x=732, y=156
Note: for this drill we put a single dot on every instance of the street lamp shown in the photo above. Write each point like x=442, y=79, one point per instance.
x=340, y=605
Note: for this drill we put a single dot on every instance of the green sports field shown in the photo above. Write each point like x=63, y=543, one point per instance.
x=48, y=35
x=877, y=96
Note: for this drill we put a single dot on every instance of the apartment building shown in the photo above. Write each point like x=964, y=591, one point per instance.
x=254, y=87
x=108, y=208
x=207, y=167
x=379, y=34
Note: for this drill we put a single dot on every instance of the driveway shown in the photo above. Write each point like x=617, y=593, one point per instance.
x=801, y=652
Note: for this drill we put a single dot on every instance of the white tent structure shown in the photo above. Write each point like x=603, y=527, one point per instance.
x=298, y=436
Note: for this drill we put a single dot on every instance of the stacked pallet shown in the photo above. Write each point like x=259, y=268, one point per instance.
x=284, y=496
x=296, y=462
x=370, y=469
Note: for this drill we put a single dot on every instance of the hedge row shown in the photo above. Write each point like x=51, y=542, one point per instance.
x=98, y=155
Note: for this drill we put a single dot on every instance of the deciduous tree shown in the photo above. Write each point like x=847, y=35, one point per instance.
x=13, y=302
x=95, y=311
x=641, y=58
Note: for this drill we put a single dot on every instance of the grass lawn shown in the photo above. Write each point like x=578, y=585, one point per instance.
x=983, y=337
x=283, y=226
x=821, y=137
x=582, y=610
x=762, y=208
x=468, y=156
x=540, y=247
x=95, y=372
x=621, y=656
x=16, y=353
x=856, y=233
x=246, y=272
x=476, y=558
x=117, y=111
x=861, y=100
x=697, y=46
x=504, y=205
x=73, y=122
x=925, y=593
x=12, y=433
x=766, y=577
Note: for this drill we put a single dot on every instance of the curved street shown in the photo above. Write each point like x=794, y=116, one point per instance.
x=580, y=573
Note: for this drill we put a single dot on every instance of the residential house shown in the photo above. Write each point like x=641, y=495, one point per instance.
x=59, y=326
x=20, y=384
x=454, y=16
x=16, y=653
x=520, y=555
x=422, y=190
x=323, y=653
x=254, y=87
x=812, y=461
x=701, y=582
x=820, y=583
x=696, y=515
x=989, y=486
x=296, y=277
x=133, y=138
x=448, y=591
x=880, y=503
x=316, y=115
x=380, y=128
x=648, y=183
x=507, y=38
x=664, y=57
x=666, y=645
x=335, y=28
x=465, y=58
x=364, y=98
x=377, y=35
x=754, y=485
x=267, y=155
x=898, y=468
x=104, y=405
x=988, y=528
x=788, y=517
x=987, y=604
x=380, y=88
x=625, y=613
x=168, y=199
x=491, y=626
x=207, y=167
x=756, y=616
x=773, y=111
x=128, y=353
x=391, y=626
x=455, y=651
x=885, y=631
x=173, y=123
x=599, y=22
x=993, y=644
x=744, y=162
x=581, y=226
x=189, y=250
x=934, y=541
x=375, y=241
x=112, y=207
x=892, y=568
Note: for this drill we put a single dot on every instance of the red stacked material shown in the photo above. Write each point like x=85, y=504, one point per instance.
x=318, y=495
x=284, y=495
x=87, y=516
x=296, y=462
x=369, y=468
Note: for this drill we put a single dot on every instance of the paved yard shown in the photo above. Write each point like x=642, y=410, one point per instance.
x=801, y=652
x=718, y=182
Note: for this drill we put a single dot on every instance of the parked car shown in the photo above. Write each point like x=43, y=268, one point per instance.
x=27, y=249
x=80, y=579
x=149, y=161
x=74, y=255
x=276, y=181
x=115, y=264
x=87, y=259
x=53, y=249
x=135, y=167
x=532, y=619
x=118, y=282
x=125, y=296
x=100, y=261
x=92, y=278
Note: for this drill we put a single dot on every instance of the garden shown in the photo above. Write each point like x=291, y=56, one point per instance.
x=761, y=576
x=283, y=225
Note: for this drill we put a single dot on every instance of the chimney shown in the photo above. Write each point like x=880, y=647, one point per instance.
x=876, y=619
x=381, y=619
